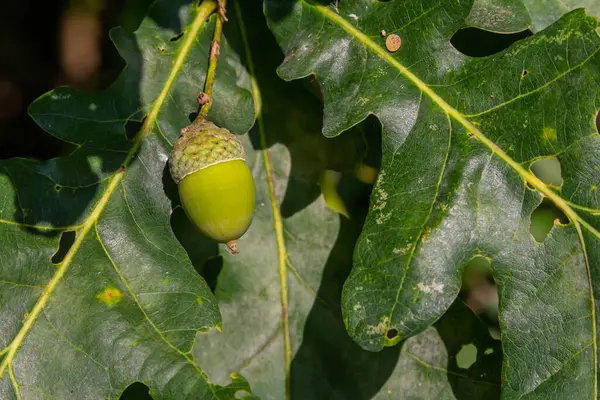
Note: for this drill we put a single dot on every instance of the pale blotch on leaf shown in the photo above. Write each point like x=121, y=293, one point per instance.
x=56, y=96
x=402, y=250
x=426, y=234
x=199, y=300
x=434, y=287
x=380, y=177
x=380, y=202
x=466, y=356
x=383, y=218
x=381, y=195
x=110, y=296
x=380, y=328
x=93, y=107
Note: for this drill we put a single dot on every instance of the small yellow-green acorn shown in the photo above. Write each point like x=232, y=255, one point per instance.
x=214, y=182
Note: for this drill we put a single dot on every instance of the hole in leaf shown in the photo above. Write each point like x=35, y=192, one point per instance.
x=543, y=219
x=132, y=128
x=475, y=42
x=524, y=73
x=479, y=291
x=57, y=187
x=241, y=394
x=391, y=334
x=192, y=116
x=136, y=391
x=548, y=170
x=176, y=37
x=466, y=356
x=66, y=241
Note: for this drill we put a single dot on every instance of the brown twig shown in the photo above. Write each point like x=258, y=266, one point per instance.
x=205, y=98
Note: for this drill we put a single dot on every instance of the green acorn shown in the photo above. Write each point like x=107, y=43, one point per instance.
x=215, y=185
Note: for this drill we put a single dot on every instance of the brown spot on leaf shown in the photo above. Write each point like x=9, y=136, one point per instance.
x=393, y=43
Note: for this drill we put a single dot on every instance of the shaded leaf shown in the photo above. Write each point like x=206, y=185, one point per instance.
x=124, y=304
x=459, y=135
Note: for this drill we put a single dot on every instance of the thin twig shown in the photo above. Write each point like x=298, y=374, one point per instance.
x=205, y=97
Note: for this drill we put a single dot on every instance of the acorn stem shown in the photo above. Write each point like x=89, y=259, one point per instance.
x=205, y=98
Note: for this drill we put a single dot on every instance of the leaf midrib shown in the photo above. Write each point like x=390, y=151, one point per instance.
x=202, y=14
x=534, y=181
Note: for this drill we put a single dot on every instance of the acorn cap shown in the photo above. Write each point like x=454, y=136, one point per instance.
x=201, y=146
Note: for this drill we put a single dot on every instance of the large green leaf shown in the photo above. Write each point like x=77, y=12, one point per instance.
x=459, y=136
x=124, y=304
x=280, y=298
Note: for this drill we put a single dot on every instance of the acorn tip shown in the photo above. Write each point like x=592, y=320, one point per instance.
x=232, y=247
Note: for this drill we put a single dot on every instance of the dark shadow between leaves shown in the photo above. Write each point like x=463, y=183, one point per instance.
x=472, y=376
x=161, y=13
x=329, y=363
x=277, y=10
